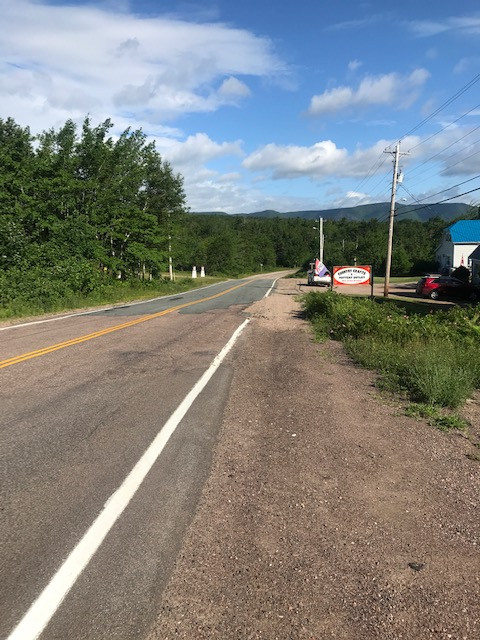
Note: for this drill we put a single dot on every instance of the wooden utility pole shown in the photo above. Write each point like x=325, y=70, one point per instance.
x=170, y=264
x=320, y=241
x=388, y=266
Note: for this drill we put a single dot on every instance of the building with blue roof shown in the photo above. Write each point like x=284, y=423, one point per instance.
x=459, y=241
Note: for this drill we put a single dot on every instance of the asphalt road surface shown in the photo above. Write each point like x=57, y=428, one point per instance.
x=82, y=399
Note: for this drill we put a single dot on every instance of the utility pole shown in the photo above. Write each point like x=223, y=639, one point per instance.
x=320, y=239
x=320, y=232
x=396, y=175
x=170, y=266
x=170, y=262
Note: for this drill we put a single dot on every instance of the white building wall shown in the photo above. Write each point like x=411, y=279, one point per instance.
x=444, y=253
x=462, y=251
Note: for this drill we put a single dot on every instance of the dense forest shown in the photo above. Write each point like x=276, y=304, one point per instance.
x=80, y=207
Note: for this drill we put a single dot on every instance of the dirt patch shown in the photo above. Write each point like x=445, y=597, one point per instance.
x=327, y=513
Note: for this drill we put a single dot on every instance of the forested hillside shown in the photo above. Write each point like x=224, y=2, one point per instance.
x=377, y=211
x=81, y=209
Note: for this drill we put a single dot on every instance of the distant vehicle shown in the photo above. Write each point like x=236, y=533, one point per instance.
x=318, y=274
x=436, y=287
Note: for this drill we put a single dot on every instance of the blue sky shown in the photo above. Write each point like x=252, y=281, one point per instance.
x=279, y=105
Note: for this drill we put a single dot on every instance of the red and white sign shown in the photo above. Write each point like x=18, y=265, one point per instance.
x=352, y=275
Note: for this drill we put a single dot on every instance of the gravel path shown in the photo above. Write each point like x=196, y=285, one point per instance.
x=328, y=513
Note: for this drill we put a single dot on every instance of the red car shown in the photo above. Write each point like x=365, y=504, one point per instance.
x=436, y=287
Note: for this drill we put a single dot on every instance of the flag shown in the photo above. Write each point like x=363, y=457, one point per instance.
x=320, y=268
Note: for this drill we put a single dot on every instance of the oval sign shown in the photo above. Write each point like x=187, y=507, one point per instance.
x=352, y=275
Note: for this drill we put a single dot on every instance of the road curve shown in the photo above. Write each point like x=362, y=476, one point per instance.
x=82, y=399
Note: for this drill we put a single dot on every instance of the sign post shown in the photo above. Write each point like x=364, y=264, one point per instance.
x=353, y=276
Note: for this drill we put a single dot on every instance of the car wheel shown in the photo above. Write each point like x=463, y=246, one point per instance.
x=473, y=297
x=434, y=295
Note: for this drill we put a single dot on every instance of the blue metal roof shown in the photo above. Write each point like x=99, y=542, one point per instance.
x=465, y=231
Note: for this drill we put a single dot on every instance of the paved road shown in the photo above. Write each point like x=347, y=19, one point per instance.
x=82, y=399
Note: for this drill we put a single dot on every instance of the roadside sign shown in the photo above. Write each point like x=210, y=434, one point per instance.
x=352, y=275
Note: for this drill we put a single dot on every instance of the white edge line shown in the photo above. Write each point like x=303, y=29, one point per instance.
x=270, y=290
x=44, y=607
x=118, y=306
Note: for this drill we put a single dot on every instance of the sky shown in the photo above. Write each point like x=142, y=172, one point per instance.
x=262, y=104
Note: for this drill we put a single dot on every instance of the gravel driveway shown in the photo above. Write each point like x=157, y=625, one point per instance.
x=328, y=513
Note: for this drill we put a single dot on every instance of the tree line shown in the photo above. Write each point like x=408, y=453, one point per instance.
x=240, y=244
x=80, y=207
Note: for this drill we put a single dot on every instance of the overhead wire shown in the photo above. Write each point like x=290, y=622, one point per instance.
x=378, y=164
x=439, y=192
x=401, y=213
x=444, y=149
x=442, y=106
x=432, y=204
x=444, y=128
x=450, y=166
x=374, y=169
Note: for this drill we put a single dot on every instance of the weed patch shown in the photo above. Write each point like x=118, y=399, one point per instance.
x=432, y=359
x=436, y=417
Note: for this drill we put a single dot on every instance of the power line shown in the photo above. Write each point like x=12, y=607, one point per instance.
x=445, y=127
x=377, y=165
x=460, y=161
x=442, y=106
x=439, y=192
x=430, y=204
x=450, y=166
x=419, y=201
x=402, y=213
x=444, y=149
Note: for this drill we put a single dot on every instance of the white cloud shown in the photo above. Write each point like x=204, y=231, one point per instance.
x=295, y=161
x=325, y=160
x=322, y=159
x=371, y=19
x=353, y=65
x=390, y=89
x=234, y=88
x=354, y=198
x=322, y=163
x=61, y=61
x=217, y=193
x=466, y=64
x=462, y=24
x=196, y=150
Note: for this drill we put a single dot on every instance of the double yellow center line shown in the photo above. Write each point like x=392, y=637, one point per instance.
x=97, y=334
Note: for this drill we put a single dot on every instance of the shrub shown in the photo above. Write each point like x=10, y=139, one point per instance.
x=434, y=358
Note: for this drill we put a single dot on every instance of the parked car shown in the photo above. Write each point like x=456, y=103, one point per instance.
x=436, y=287
x=313, y=278
x=318, y=274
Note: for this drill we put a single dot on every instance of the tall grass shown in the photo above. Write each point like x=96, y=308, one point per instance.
x=433, y=359
x=112, y=292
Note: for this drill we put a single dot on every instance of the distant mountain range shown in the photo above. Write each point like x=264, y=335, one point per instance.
x=378, y=211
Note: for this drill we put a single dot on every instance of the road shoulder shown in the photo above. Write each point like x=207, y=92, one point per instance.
x=326, y=514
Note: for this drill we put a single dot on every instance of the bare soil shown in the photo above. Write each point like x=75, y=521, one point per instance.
x=328, y=513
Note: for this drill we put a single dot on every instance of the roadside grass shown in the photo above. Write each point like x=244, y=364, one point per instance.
x=111, y=293
x=435, y=417
x=410, y=307
x=396, y=279
x=432, y=359
x=48, y=300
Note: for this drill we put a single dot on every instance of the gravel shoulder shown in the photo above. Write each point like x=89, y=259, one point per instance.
x=327, y=513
